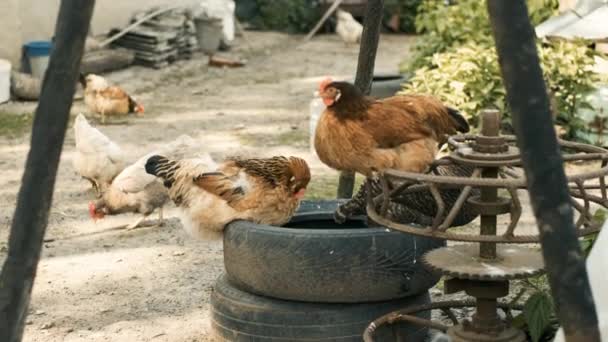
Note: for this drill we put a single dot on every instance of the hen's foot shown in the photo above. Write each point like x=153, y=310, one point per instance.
x=339, y=216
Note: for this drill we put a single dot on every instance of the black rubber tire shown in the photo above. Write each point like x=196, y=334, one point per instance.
x=329, y=264
x=238, y=316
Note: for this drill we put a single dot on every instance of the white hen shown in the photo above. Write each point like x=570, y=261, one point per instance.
x=348, y=28
x=134, y=190
x=98, y=159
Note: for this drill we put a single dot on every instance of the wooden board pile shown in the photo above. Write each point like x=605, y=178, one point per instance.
x=162, y=40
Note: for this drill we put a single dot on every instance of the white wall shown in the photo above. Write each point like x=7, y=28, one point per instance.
x=26, y=20
x=10, y=30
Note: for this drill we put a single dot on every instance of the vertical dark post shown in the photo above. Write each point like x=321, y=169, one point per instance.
x=35, y=195
x=542, y=161
x=365, y=72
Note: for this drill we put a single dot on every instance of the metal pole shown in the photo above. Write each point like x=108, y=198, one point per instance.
x=532, y=121
x=365, y=73
x=490, y=127
x=35, y=195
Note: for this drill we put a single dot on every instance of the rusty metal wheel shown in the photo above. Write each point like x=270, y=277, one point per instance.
x=501, y=153
x=412, y=316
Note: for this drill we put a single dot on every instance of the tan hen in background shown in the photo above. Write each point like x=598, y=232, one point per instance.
x=106, y=100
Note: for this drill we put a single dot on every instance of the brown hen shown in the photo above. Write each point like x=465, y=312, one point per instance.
x=361, y=134
x=265, y=191
x=107, y=100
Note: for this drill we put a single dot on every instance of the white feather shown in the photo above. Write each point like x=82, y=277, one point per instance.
x=95, y=82
x=348, y=28
x=97, y=156
x=134, y=177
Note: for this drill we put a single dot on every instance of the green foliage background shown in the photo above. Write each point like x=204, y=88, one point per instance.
x=455, y=60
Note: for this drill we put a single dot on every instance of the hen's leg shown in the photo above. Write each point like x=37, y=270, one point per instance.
x=103, y=117
x=161, y=221
x=95, y=186
x=358, y=204
x=137, y=222
x=98, y=190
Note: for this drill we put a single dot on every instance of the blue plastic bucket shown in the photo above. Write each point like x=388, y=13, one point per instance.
x=38, y=52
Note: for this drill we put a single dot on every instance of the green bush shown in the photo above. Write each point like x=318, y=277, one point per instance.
x=456, y=61
x=293, y=16
x=569, y=74
x=468, y=78
x=466, y=21
x=407, y=9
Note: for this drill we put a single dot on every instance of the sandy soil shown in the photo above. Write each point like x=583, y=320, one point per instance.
x=153, y=284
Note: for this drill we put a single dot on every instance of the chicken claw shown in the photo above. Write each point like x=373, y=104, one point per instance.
x=96, y=187
x=161, y=221
x=136, y=223
x=339, y=216
x=374, y=176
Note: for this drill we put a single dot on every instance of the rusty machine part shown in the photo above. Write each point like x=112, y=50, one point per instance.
x=483, y=268
x=464, y=262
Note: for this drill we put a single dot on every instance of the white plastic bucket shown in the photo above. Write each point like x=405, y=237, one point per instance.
x=209, y=34
x=5, y=80
x=38, y=53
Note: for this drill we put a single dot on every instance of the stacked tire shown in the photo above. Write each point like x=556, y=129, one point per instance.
x=314, y=280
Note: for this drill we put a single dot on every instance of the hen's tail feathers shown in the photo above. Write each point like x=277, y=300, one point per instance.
x=132, y=105
x=163, y=168
x=460, y=121
x=83, y=81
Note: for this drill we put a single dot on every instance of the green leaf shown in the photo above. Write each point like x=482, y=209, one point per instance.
x=600, y=216
x=519, y=321
x=537, y=313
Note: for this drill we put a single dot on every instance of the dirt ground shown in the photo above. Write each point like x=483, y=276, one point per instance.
x=153, y=284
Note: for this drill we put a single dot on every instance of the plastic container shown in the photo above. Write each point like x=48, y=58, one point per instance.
x=220, y=9
x=316, y=109
x=38, y=54
x=5, y=80
x=209, y=34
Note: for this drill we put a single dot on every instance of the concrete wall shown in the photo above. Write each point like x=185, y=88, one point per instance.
x=10, y=30
x=26, y=20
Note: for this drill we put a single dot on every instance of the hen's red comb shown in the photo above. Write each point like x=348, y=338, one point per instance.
x=92, y=209
x=325, y=83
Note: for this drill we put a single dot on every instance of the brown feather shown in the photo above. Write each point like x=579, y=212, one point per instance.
x=258, y=190
x=358, y=133
x=219, y=184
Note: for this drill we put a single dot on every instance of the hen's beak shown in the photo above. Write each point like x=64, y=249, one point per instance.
x=328, y=100
x=139, y=110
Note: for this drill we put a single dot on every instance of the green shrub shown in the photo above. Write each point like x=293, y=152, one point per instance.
x=466, y=21
x=407, y=9
x=293, y=16
x=468, y=78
